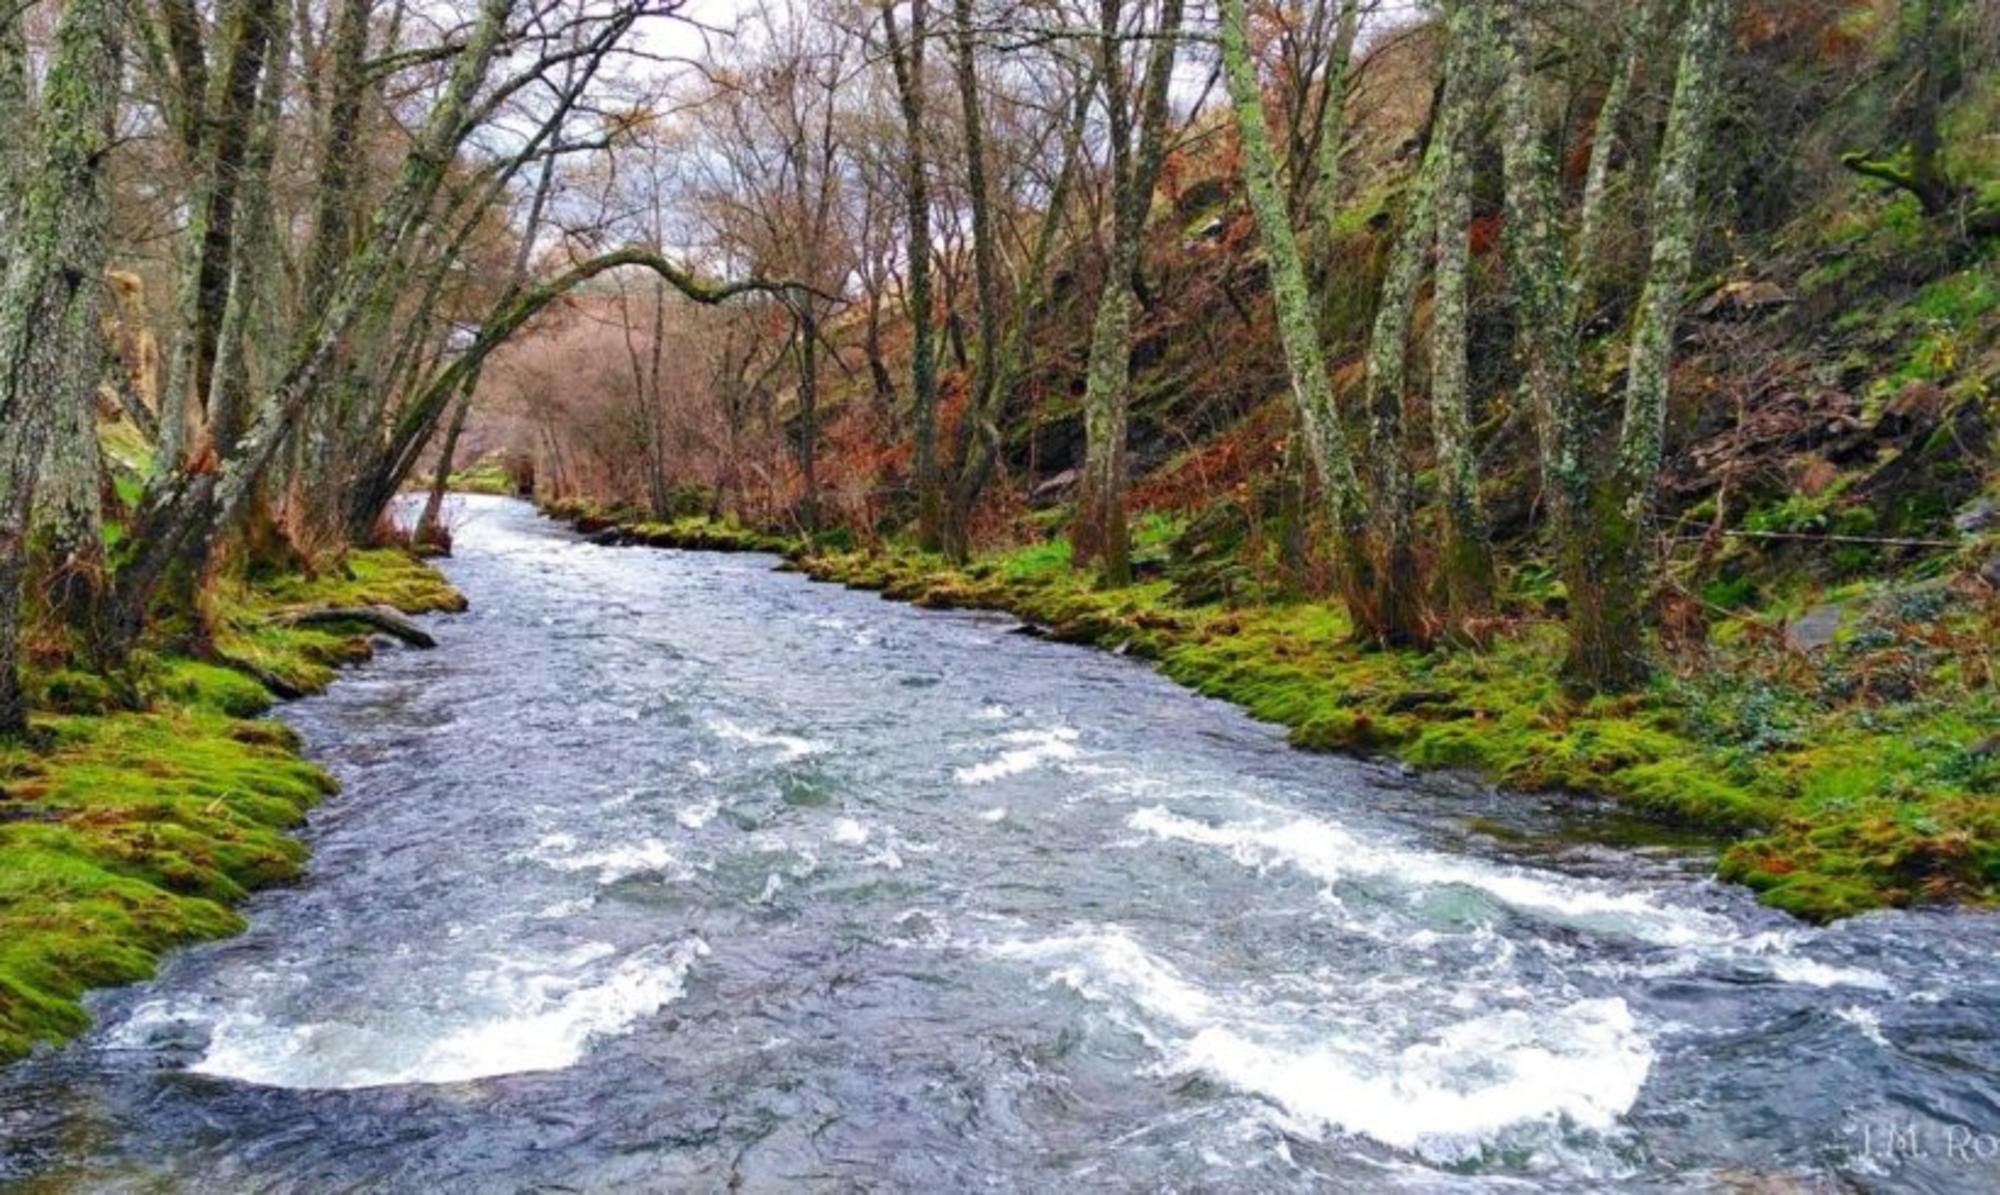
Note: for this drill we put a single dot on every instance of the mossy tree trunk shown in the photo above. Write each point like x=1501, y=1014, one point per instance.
x=217, y=142
x=1539, y=272
x=1329, y=152
x=976, y=424
x=1606, y=650
x=1099, y=536
x=1638, y=41
x=53, y=287
x=1401, y=619
x=252, y=249
x=17, y=118
x=1601, y=512
x=1312, y=391
x=1468, y=551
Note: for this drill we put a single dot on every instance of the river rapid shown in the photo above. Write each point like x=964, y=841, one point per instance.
x=668, y=871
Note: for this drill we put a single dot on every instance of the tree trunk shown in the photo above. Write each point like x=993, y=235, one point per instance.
x=183, y=518
x=1603, y=146
x=977, y=423
x=1100, y=534
x=983, y=449
x=808, y=429
x=430, y=524
x=1606, y=650
x=1312, y=392
x=1539, y=273
x=52, y=293
x=1468, y=554
x=908, y=63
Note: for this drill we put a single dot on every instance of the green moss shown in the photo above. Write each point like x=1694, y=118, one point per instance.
x=214, y=688
x=125, y=833
x=486, y=477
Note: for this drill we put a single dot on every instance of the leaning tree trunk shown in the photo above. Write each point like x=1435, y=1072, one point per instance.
x=185, y=515
x=52, y=293
x=1298, y=331
x=428, y=527
x=1607, y=576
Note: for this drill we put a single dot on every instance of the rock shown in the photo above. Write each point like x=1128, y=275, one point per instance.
x=1816, y=628
x=1990, y=571
x=1980, y=514
x=1744, y=298
x=1051, y=491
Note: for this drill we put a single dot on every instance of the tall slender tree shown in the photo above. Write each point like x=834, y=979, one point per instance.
x=1100, y=537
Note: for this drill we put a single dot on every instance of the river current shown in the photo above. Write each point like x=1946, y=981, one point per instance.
x=668, y=871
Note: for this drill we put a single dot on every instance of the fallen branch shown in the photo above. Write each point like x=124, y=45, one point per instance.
x=385, y=619
x=1813, y=537
x=281, y=688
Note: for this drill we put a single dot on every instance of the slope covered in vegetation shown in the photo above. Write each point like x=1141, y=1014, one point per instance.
x=1824, y=547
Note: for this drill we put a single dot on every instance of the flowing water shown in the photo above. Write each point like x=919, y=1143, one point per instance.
x=672, y=872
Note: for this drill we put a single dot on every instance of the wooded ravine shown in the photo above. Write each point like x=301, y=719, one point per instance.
x=1585, y=410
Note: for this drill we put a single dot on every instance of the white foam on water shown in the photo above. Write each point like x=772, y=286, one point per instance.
x=1330, y=854
x=1774, y=952
x=1448, y=1099
x=773, y=884
x=516, y=1019
x=562, y=910
x=1866, y=1020
x=1031, y=749
x=611, y=863
x=996, y=814
x=1446, y=1092
x=695, y=816
x=848, y=832
x=1109, y=964
x=790, y=747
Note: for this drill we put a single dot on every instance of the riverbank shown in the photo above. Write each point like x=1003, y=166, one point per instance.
x=125, y=833
x=1857, y=774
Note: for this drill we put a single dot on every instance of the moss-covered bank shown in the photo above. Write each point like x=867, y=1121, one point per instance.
x=124, y=833
x=1861, y=775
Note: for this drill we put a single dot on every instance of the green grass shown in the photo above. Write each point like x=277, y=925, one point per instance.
x=127, y=832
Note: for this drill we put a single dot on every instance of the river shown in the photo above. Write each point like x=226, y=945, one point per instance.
x=669, y=871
